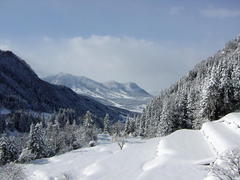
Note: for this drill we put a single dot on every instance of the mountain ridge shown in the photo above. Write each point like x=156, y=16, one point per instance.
x=21, y=88
x=110, y=93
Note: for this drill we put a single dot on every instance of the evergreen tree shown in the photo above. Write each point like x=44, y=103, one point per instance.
x=106, y=122
x=208, y=92
x=8, y=151
x=89, y=127
x=36, y=146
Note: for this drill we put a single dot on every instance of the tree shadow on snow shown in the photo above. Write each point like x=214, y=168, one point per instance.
x=40, y=161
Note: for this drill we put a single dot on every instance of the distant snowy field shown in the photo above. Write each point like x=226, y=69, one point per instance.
x=183, y=155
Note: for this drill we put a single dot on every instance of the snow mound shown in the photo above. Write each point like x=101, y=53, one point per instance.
x=186, y=145
x=222, y=135
x=179, y=156
x=232, y=120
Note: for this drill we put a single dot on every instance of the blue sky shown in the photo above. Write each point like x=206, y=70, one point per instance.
x=151, y=42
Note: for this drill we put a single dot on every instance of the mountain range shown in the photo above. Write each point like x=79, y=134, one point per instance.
x=123, y=95
x=21, y=88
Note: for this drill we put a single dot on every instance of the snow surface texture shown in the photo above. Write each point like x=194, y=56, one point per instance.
x=183, y=155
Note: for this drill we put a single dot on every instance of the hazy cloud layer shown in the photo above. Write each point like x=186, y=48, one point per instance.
x=176, y=10
x=220, y=13
x=152, y=65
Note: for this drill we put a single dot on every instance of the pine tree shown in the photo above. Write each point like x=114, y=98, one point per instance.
x=89, y=127
x=8, y=151
x=166, y=123
x=106, y=122
x=54, y=138
x=36, y=146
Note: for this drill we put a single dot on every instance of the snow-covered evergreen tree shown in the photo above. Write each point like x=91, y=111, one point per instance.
x=89, y=127
x=36, y=147
x=8, y=151
x=208, y=92
x=106, y=123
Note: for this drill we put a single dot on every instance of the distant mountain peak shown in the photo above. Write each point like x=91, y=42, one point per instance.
x=125, y=95
x=21, y=88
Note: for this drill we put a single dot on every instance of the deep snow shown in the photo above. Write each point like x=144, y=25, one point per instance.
x=183, y=155
x=175, y=157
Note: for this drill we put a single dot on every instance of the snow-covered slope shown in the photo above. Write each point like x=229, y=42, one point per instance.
x=183, y=155
x=223, y=134
x=124, y=95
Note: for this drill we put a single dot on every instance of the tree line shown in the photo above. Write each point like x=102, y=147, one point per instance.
x=27, y=136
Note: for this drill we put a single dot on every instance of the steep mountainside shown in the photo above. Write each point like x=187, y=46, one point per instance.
x=208, y=92
x=129, y=95
x=20, y=88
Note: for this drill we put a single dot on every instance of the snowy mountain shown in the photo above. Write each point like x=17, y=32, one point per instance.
x=21, y=88
x=129, y=95
x=182, y=155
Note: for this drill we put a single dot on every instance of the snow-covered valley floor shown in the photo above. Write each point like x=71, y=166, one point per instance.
x=183, y=155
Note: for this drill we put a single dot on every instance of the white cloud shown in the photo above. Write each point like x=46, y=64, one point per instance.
x=176, y=10
x=220, y=13
x=152, y=65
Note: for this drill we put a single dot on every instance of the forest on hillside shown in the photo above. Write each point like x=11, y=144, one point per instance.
x=208, y=92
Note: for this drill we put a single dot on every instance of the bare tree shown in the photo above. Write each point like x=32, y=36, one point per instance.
x=67, y=176
x=227, y=165
x=120, y=140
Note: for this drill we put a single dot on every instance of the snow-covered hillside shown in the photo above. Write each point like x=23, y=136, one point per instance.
x=123, y=95
x=183, y=155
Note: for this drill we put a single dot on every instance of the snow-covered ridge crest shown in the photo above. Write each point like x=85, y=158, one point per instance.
x=124, y=95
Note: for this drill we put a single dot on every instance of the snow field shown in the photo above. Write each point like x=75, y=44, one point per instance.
x=173, y=157
x=182, y=155
x=232, y=120
x=222, y=135
x=103, y=162
x=179, y=157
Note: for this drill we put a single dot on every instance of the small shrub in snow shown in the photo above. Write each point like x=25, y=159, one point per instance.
x=227, y=165
x=120, y=141
x=67, y=176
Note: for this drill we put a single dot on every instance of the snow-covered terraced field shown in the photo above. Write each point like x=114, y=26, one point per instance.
x=183, y=155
